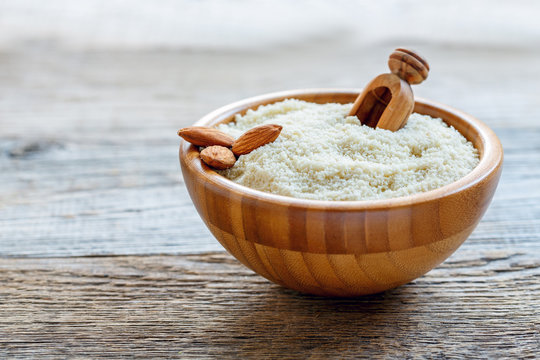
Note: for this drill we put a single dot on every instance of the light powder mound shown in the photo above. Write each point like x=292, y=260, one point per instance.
x=324, y=154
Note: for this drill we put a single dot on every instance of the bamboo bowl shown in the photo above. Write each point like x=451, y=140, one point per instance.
x=343, y=248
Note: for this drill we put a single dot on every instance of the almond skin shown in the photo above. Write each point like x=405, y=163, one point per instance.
x=218, y=157
x=205, y=136
x=255, y=138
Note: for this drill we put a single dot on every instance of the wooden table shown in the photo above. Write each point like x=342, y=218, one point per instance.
x=103, y=255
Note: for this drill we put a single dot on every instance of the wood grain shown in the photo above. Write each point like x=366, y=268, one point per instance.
x=90, y=167
x=408, y=65
x=358, y=247
x=484, y=304
x=387, y=101
x=88, y=160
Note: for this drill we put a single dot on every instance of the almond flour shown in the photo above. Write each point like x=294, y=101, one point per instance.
x=324, y=154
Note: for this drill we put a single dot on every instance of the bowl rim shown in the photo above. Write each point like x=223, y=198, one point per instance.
x=490, y=161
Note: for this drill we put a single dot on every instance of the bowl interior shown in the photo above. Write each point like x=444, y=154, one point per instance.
x=483, y=139
x=459, y=120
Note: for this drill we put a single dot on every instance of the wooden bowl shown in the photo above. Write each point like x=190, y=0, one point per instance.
x=343, y=248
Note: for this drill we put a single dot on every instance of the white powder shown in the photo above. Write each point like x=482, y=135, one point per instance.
x=324, y=154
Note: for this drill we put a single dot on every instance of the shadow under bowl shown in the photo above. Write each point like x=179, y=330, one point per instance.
x=343, y=248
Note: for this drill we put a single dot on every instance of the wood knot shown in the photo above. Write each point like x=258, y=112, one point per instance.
x=32, y=147
x=408, y=65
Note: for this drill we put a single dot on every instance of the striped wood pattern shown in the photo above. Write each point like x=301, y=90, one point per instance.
x=343, y=248
x=479, y=304
x=386, y=103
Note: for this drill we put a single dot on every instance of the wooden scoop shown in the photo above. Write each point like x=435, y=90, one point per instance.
x=387, y=101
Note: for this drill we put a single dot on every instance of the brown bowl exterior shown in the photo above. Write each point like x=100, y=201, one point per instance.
x=343, y=248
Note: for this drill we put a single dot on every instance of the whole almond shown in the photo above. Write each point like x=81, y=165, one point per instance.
x=205, y=136
x=255, y=138
x=218, y=157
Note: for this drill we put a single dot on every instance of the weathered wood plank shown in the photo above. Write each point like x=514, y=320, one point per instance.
x=483, y=305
